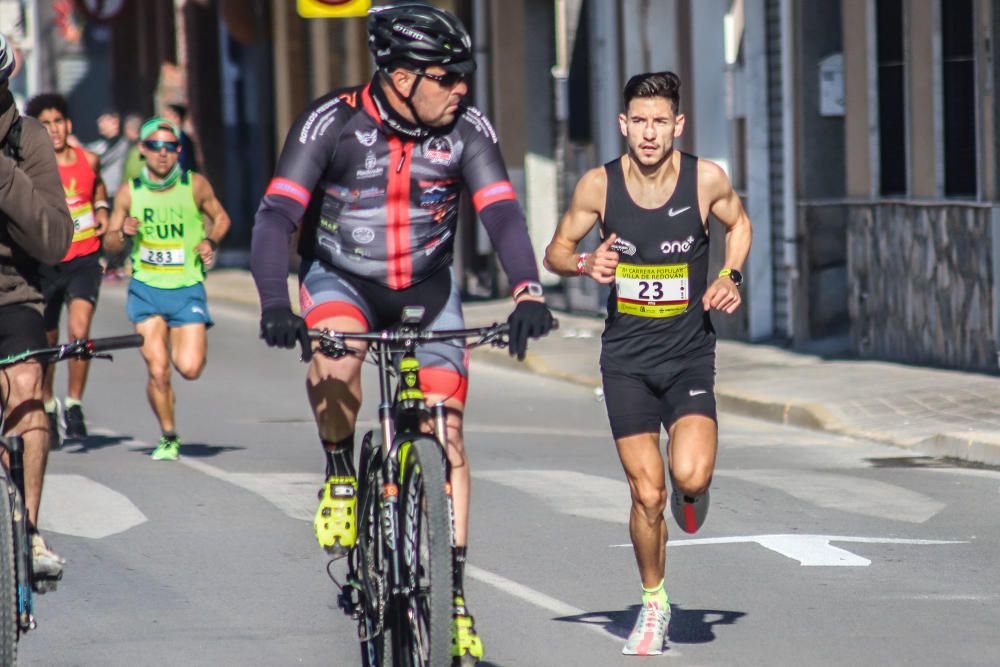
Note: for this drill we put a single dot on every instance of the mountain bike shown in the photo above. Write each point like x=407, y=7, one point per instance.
x=17, y=579
x=399, y=574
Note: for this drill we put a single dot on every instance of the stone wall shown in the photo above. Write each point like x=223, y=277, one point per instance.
x=920, y=283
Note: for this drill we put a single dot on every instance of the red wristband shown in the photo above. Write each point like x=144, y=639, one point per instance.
x=581, y=263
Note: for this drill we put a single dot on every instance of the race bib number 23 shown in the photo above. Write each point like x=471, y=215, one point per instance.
x=652, y=290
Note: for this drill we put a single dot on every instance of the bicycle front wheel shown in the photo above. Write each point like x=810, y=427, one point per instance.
x=8, y=581
x=427, y=560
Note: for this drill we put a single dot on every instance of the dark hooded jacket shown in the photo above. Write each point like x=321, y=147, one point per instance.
x=35, y=225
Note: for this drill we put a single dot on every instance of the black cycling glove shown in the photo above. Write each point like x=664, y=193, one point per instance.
x=530, y=319
x=280, y=327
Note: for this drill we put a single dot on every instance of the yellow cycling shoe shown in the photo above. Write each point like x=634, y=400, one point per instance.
x=335, y=527
x=466, y=646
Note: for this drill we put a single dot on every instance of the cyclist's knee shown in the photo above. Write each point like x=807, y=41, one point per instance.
x=24, y=383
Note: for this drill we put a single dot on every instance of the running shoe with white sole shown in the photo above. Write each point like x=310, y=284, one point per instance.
x=649, y=632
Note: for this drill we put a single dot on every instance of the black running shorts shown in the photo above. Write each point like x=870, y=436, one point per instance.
x=21, y=330
x=641, y=403
x=79, y=278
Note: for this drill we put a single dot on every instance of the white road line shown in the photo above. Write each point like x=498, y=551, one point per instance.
x=568, y=491
x=808, y=550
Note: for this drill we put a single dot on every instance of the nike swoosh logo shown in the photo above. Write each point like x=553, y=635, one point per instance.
x=696, y=392
x=671, y=212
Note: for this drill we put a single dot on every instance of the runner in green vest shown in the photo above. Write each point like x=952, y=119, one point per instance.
x=165, y=211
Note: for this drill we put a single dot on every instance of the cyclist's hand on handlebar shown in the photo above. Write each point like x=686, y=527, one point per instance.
x=280, y=327
x=530, y=319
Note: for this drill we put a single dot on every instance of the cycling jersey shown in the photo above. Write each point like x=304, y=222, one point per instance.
x=378, y=204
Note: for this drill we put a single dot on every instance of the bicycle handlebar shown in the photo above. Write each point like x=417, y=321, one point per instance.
x=78, y=349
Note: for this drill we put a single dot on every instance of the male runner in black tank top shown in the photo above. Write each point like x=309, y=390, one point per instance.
x=658, y=347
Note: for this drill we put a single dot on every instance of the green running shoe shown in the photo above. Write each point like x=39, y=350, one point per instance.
x=168, y=449
x=335, y=526
x=466, y=646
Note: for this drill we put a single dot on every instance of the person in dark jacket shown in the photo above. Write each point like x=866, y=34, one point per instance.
x=35, y=228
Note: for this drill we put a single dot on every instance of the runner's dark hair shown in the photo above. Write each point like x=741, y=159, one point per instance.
x=45, y=101
x=654, y=84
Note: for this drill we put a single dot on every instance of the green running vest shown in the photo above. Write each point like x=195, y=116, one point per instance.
x=170, y=226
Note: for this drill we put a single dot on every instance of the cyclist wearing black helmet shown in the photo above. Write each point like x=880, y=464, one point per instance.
x=373, y=173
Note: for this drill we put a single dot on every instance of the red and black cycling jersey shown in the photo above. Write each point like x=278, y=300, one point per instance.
x=381, y=205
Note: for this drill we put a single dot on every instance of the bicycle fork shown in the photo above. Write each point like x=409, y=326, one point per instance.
x=22, y=541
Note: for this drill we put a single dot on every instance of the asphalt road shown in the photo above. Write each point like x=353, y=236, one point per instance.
x=818, y=550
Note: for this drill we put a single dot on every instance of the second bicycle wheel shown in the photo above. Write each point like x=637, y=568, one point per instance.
x=374, y=629
x=427, y=559
x=8, y=581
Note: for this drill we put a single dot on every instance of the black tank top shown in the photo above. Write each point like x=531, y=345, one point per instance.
x=655, y=316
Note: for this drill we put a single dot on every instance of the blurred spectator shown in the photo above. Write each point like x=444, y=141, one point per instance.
x=176, y=114
x=112, y=148
x=133, y=160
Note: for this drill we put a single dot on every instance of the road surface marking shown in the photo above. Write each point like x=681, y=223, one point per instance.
x=79, y=506
x=845, y=493
x=294, y=493
x=568, y=491
x=808, y=550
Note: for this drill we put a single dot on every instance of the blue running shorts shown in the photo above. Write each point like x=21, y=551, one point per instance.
x=179, y=306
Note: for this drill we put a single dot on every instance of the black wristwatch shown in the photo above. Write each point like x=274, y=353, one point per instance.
x=734, y=275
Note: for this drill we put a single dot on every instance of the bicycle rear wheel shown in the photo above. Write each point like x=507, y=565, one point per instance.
x=427, y=558
x=8, y=581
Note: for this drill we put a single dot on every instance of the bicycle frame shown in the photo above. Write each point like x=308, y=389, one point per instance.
x=402, y=416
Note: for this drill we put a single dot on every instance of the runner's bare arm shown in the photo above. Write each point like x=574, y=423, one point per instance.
x=100, y=194
x=715, y=190
x=585, y=211
x=121, y=223
x=211, y=207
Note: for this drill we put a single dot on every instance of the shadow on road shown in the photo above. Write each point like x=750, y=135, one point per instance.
x=696, y=626
x=196, y=450
x=92, y=442
x=687, y=626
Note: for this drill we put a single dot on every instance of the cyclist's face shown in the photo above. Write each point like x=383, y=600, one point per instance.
x=161, y=160
x=650, y=127
x=58, y=127
x=436, y=102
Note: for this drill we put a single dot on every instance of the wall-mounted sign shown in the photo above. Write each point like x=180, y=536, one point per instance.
x=317, y=9
x=831, y=85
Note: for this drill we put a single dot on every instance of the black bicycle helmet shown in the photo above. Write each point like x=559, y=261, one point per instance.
x=420, y=35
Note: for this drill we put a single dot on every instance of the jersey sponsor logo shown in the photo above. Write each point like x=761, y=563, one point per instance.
x=478, y=121
x=673, y=212
x=371, y=169
x=304, y=134
x=668, y=247
x=363, y=234
x=439, y=150
x=624, y=247
x=366, y=139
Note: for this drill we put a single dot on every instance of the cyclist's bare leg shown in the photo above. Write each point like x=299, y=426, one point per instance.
x=461, y=479
x=643, y=464
x=81, y=312
x=334, y=385
x=691, y=453
x=155, y=351
x=21, y=393
x=188, y=348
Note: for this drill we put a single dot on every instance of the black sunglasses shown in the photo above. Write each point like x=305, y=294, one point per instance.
x=156, y=145
x=447, y=80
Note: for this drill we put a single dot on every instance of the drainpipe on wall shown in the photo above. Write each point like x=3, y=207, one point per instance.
x=481, y=29
x=788, y=205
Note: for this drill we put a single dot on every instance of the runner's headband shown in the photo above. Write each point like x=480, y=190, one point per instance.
x=155, y=124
